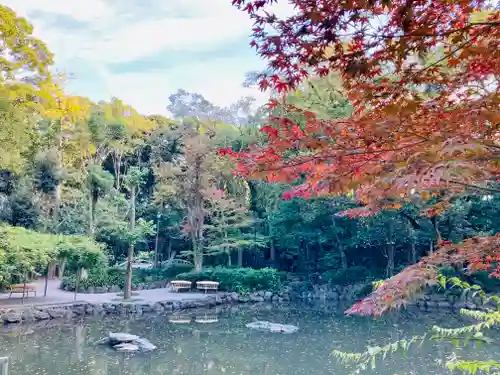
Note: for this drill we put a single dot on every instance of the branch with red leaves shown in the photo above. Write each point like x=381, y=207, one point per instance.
x=476, y=253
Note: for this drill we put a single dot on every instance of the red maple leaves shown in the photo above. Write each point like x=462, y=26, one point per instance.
x=423, y=79
x=476, y=253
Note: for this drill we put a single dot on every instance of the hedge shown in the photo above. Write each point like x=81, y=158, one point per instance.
x=114, y=276
x=237, y=279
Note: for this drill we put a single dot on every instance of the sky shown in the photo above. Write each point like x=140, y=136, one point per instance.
x=141, y=51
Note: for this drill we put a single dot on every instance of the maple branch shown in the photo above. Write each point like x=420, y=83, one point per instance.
x=470, y=186
x=318, y=157
x=444, y=33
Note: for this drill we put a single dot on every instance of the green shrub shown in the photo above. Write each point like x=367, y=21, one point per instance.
x=237, y=279
x=487, y=283
x=115, y=276
x=352, y=275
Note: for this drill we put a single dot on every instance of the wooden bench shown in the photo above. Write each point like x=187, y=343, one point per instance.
x=180, y=319
x=207, y=285
x=180, y=284
x=206, y=319
x=22, y=288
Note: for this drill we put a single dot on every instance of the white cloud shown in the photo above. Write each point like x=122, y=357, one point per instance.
x=127, y=30
x=88, y=10
x=220, y=81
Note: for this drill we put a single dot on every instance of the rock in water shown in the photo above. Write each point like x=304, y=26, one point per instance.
x=144, y=344
x=120, y=337
x=125, y=342
x=272, y=327
x=126, y=347
x=102, y=341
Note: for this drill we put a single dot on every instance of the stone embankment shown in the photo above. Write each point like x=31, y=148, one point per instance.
x=31, y=313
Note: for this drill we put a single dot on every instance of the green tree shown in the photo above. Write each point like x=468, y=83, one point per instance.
x=133, y=181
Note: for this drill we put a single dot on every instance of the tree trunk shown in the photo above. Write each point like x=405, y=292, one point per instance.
x=240, y=257
x=390, y=260
x=413, y=249
x=91, y=213
x=117, y=162
x=57, y=203
x=170, y=256
x=229, y=261
x=130, y=257
x=156, y=241
x=390, y=250
x=197, y=256
x=343, y=256
x=273, y=252
x=62, y=267
x=413, y=253
x=436, y=229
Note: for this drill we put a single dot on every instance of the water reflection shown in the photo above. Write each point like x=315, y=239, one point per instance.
x=4, y=366
x=216, y=342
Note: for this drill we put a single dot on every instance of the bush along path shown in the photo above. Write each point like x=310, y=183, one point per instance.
x=241, y=280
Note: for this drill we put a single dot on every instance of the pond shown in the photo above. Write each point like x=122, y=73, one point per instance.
x=223, y=345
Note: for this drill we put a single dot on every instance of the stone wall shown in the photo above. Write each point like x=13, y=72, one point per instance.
x=33, y=313
x=435, y=301
x=300, y=290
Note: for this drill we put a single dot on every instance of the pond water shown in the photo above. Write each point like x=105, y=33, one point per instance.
x=225, y=346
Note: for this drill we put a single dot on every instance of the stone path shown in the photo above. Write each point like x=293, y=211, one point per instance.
x=56, y=295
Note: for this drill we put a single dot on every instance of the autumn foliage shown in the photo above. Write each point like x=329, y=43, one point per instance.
x=423, y=79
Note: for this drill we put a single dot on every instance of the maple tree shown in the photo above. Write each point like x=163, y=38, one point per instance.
x=422, y=78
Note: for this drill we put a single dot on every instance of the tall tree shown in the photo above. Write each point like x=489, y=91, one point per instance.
x=133, y=180
x=188, y=179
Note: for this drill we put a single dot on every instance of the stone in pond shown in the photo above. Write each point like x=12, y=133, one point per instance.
x=126, y=347
x=144, y=344
x=125, y=342
x=272, y=327
x=120, y=337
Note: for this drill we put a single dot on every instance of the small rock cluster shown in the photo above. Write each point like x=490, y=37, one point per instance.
x=125, y=342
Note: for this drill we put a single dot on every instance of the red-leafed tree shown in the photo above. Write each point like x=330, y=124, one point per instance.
x=423, y=77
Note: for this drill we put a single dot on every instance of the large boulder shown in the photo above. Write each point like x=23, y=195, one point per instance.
x=144, y=344
x=126, y=342
x=116, y=338
x=272, y=327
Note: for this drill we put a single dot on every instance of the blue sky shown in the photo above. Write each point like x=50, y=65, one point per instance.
x=143, y=50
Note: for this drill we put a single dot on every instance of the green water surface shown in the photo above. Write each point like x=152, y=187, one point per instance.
x=224, y=346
